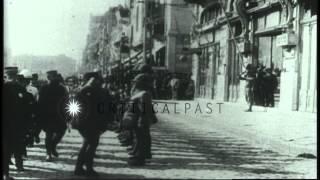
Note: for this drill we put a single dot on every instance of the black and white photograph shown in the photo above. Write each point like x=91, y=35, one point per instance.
x=159, y=89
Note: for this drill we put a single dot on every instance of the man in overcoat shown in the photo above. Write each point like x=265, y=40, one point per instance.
x=92, y=121
x=52, y=101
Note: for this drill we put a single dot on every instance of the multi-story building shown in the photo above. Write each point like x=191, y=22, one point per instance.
x=278, y=34
x=164, y=31
x=105, y=32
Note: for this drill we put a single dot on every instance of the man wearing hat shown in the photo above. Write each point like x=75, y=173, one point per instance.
x=93, y=122
x=13, y=116
x=52, y=99
x=32, y=99
x=141, y=98
x=26, y=126
x=249, y=75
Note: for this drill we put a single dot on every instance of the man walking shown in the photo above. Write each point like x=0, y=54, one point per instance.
x=13, y=116
x=93, y=122
x=52, y=98
x=250, y=76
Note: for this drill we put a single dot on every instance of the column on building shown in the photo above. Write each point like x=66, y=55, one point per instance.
x=307, y=91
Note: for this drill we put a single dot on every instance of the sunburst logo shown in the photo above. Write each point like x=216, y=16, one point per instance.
x=73, y=108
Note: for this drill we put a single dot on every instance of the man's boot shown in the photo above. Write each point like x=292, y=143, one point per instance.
x=54, y=151
x=79, y=171
x=89, y=165
x=19, y=164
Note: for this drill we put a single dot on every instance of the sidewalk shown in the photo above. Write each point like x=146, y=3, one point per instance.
x=290, y=133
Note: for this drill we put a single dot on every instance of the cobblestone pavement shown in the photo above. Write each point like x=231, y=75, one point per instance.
x=180, y=150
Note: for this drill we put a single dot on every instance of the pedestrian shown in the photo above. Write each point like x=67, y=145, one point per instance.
x=260, y=86
x=271, y=86
x=27, y=126
x=139, y=120
x=52, y=98
x=93, y=122
x=34, y=127
x=189, y=93
x=13, y=120
x=250, y=77
x=175, y=86
x=34, y=88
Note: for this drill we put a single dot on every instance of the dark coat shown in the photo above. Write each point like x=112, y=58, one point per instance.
x=95, y=106
x=14, y=113
x=52, y=102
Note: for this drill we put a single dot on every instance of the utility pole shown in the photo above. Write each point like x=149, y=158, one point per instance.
x=145, y=19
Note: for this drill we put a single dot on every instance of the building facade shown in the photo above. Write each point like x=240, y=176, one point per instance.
x=278, y=34
x=163, y=32
x=102, y=50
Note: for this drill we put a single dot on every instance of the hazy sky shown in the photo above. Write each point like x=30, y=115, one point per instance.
x=50, y=27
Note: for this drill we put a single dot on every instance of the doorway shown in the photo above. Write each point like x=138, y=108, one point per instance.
x=270, y=57
x=208, y=69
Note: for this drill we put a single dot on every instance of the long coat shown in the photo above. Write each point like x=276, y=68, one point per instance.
x=95, y=104
x=142, y=139
x=14, y=114
x=52, y=102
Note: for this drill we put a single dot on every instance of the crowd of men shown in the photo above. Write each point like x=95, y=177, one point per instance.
x=32, y=106
x=261, y=84
x=166, y=85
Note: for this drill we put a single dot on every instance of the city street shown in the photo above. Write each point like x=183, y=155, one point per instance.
x=232, y=85
x=181, y=148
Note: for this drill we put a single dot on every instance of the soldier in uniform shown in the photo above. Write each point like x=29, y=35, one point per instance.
x=52, y=98
x=93, y=122
x=32, y=96
x=28, y=121
x=142, y=99
x=13, y=118
x=250, y=77
x=126, y=136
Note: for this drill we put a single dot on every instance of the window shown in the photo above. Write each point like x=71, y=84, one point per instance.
x=269, y=54
x=273, y=19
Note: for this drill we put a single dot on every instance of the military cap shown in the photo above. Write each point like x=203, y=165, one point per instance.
x=11, y=70
x=52, y=72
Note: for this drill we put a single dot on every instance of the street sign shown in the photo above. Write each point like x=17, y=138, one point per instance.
x=286, y=39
